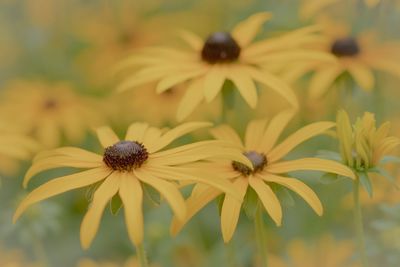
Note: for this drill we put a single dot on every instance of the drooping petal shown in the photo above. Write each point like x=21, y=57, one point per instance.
x=106, y=136
x=131, y=194
x=297, y=138
x=213, y=82
x=322, y=80
x=254, y=132
x=191, y=99
x=61, y=185
x=246, y=31
x=167, y=189
x=345, y=136
x=300, y=188
x=268, y=199
x=244, y=84
x=137, y=131
x=179, y=131
x=362, y=75
x=175, y=79
x=91, y=221
x=274, y=130
x=73, y=152
x=231, y=210
x=312, y=164
x=192, y=39
x=200, y=197
x=226, y=133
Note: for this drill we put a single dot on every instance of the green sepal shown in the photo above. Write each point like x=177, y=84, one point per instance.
x=250, y=203
x=115, y=204
x=365, y=182
x=152, y=194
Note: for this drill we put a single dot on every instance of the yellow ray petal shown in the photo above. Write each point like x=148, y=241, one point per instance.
x=312, y=164
x=73, y=152
x=151, y=138
x=294, y=56
x=192, y=99
x=345, y=136
x=192, y=39
x=246, y=31
x=106, y=136
x=231, y=210
x=200, y=197
x=300, y=188
x=390, y=66
x=362, y=75
x=244, y=84
x=57, y=162
x=268, y=199
x=91, y=221
x=226, y=133
x=274, y=130
x=297, y=138
x=136, y=131
x=48, y=133
x=254, y=132
x=179, y=131
x=177, y=78
x=131, y=194
x=168, y=190
x=61, y=185
x=213, y=81
x=275, y=84
x=323, y=79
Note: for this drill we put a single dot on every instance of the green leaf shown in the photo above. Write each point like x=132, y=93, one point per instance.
x=152, y=194
x=329, y=178
x=115, y=204
x=365, y=182
x=250, y=203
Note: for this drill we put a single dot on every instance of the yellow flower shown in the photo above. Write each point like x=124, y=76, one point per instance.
x=124, y=167
x=326, y=252
x=223, y=56
x=268, y=169
x=358, y=55
x=48, y=112
x=363, y=146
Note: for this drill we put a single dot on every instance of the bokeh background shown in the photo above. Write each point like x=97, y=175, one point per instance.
x=69, y=49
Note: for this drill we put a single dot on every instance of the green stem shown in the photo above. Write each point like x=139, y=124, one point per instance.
x=228, y=100
x=141, y=255
x=261, y=237
x=359, y=223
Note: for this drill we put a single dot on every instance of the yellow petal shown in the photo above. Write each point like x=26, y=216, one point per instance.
x=274, y=130
x=200, y=197
x=275, y=84
x=178, y=78
x=192, y=39
x=131, y=194
x=168, y=190
x=362, y=75
x=244, y=84
x=322, y=80
x=192, y=98
x=151, y=138
x=179, y=131
x=297, y=138
x=61, y=185
x=312, y=164
x=231, y=210
x=300, y=188
x=254, y=132
x=268, y=199
x=246, y=31
x=48, y=133
x=226, y=133
x=345, y=136
x=213, y=82
x=106, y=136
x=136, y=131
x=73, y=152
x=91, y=221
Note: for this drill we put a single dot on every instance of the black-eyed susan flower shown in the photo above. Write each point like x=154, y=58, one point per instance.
x=48, y=112
x=122, y=169
x=223, y=56
x=261, y=148
x=358, y=55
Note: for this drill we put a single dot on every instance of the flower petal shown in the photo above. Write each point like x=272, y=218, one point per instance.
x=131, y=194
x=192, y=39
x=254, y=133
x=244, y=84
x=91, y=221
x=136, y=131
x=214, y=81
x=362, y=75
x=323, y=79
x=246, y=31
x=312, y=164
x=226, y=133
x=297, y=138
x=61, y=185
x=177, y=78
x=107, y=136
x=192, y=98
x=268, y=199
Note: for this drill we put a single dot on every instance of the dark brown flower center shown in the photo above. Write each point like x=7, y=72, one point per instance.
x=220, y=47
x=345, y=47
x=50, y=104
x=258, y=160
x=125, y=155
